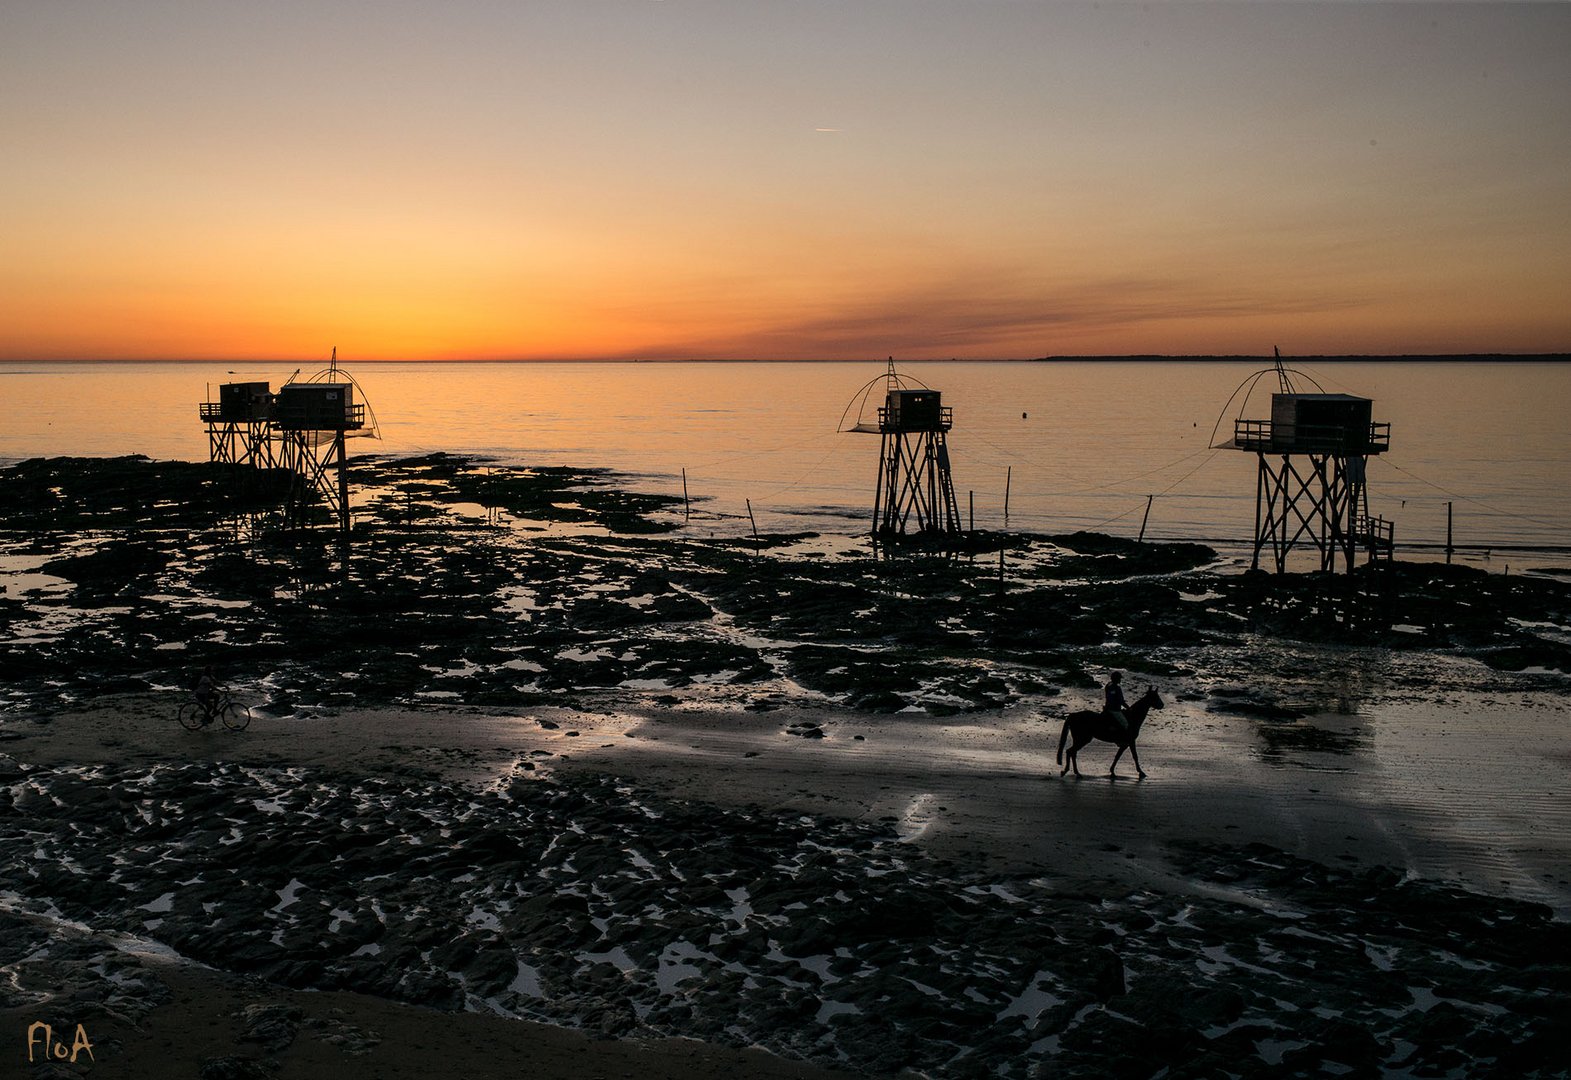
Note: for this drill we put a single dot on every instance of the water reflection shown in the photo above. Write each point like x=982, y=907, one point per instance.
x=1079, y=445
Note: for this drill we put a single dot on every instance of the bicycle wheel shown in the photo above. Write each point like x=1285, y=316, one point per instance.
x=236, y=717
x=190, y=716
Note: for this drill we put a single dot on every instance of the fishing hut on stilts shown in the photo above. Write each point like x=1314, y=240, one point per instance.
x=239, y=431
x=313, y=419
x=301, y=429
x=1310, y=480
x=915, y=491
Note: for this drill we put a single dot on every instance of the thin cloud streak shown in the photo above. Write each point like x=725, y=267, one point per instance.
x=962, y=319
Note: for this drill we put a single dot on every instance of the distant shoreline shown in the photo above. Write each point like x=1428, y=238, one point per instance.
x=1145, y=358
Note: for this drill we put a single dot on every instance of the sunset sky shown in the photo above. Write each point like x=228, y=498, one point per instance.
x=790, y=179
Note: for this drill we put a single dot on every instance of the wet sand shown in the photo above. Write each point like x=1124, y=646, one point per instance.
x=1434, y=792
x=1435, y=796
x=213, y=1024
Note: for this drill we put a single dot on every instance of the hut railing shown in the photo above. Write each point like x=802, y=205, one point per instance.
x=1377, y=534
x=214, y=412
x=1263, y=435
x=946, y=420
x=298, y=419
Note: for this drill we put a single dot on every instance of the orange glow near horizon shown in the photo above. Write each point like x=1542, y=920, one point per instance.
x=692, y=180
x=398, y=293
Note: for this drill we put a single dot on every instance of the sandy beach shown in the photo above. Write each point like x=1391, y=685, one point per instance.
x=977, y=806
x=1433, y=793
x=590, y=802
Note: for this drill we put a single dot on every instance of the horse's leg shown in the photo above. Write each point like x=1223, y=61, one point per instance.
x=1112, y=770
x=1135, y=756
x=1074, y=753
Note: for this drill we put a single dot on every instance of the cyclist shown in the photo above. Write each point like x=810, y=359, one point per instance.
x=206, y=694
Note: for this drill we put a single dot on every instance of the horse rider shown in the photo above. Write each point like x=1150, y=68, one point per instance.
x=1113, y=703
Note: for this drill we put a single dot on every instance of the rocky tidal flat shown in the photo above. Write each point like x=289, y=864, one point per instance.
x=541, y=882
x=589, y=904
x=469, y=583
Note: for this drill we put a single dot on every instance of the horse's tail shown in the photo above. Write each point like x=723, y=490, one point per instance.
x=1063, y=737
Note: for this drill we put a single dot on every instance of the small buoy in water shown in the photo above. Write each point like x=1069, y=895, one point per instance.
x=1022, y=416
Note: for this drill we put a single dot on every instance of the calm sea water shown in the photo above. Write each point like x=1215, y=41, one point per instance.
x=1079, y=445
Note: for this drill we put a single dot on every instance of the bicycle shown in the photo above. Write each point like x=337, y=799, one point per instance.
x=195, y=715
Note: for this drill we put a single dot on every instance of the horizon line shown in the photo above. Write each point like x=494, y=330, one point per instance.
x=1476, y=357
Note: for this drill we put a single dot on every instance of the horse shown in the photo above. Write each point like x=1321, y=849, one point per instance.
x=1088, y=725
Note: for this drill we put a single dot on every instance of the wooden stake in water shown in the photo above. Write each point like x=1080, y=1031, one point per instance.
x=1009, y=471
x=1449, y=548
x=973, y=511
x=687, y=507
x=1143, y=520
x=749, y=502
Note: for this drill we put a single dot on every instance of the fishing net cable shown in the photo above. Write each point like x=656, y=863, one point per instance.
x=1473, y=499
